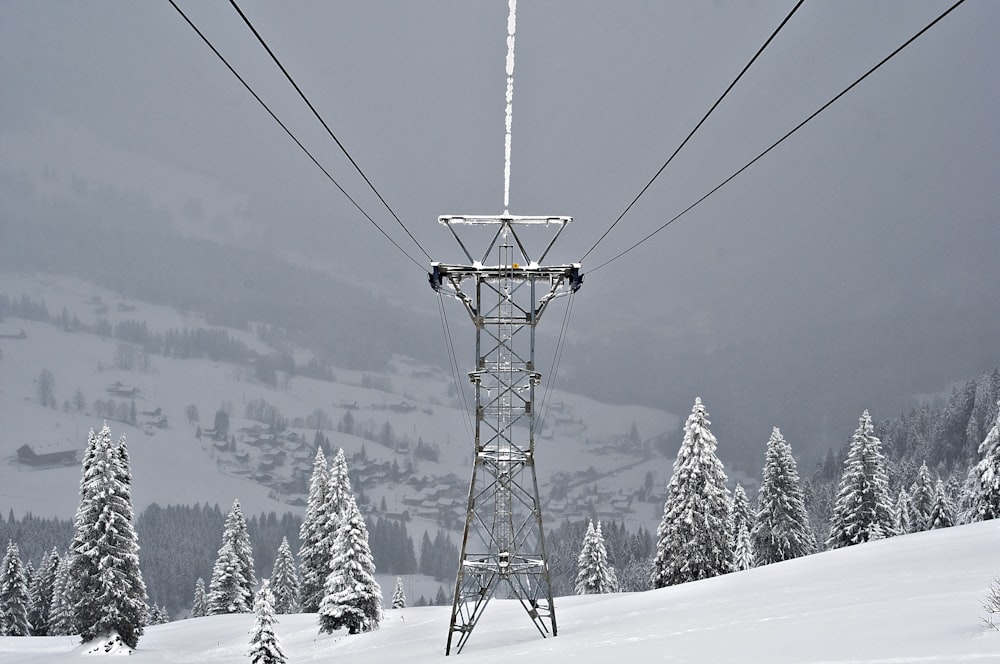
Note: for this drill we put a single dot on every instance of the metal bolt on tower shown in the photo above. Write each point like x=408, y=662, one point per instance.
x=503, y=546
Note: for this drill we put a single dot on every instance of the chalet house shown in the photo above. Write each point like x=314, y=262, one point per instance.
x=28, y=457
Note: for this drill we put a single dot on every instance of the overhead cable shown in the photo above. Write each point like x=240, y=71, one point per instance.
x=782, y=139
x=696, y=127
x=290, y=134
x=325, y=125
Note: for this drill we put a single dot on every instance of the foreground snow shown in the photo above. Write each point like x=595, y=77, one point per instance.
x=909, y=599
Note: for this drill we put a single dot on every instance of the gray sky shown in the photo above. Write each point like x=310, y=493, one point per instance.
x=884, y=206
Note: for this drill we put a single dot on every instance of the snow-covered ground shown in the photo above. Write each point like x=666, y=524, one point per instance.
x=914, y=599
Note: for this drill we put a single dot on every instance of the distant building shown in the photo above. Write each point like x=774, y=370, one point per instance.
x=28, y=457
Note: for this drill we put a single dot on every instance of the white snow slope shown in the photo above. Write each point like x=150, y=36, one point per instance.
x=915, y=598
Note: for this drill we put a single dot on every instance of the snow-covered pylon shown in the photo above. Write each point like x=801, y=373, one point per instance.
x=352, y=598
x=863, y=510
x=594, y=576
x=781, y=529
x=265, y=648
x=695, y=540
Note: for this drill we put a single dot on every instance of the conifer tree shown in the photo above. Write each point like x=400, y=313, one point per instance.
x=13, y=594
x=902, y=512
x=398, y=595
x=61, y=612
x=943, y=510
x=41, y=594
x=982, y=489
x=863, y=511
x=743, y=555
x=594, y=575
x=339, y=493
x=265, y=648
x=199, y=608
x=228, y=591
x=352, y=598
x=921, y=500
x=694, y=539
x=236, y=534
x=285, y=580
x=108, y=593
x=741, y=509
x=314, y=552
x=781, y=529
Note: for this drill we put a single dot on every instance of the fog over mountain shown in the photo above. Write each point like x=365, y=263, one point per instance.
x=853, y=267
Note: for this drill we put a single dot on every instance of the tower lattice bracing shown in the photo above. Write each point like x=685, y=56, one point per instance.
x=505, y=292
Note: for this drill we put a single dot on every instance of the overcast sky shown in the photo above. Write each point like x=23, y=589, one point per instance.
x=887, y=199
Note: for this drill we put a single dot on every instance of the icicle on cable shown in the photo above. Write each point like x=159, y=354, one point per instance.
x=511, y=24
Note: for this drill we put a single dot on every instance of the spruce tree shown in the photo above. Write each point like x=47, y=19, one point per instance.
x=339, y=493
x=902, y=513
x=594, y=575
x=41, y=594
x=109, y=594
x=921, y=500
x=694, y=539
x=228, y=591
x=863, y=511
x=942, y=510
x=398, y=595
x=741, y=509
x=61, y=612
x=13, y=594
x=285, y=580
x=743, y=556
x=236, y=534
x=982, y=489
x=352, y=598
x=265, y=648
x=314, y=552
x=199, y=607
x=781, y=528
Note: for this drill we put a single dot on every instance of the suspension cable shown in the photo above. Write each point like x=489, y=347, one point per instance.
x=291, y=135
x=782, y=139
x=453, y=365
x=696, y=127
x=326, y=126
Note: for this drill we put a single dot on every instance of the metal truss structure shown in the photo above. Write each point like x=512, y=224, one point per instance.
x=503, y=546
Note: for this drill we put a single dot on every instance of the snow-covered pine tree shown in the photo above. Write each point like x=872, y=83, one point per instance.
x=81, y=580
x=41, y=594
x=61, y=612
x=338, y=494
x=13, y=594
x=741, y=509
x=694, y=539
x=314, y=552
x=781, y=528
x=982, y=489
x=902, y=512
x=284, y=580
x=743, y=557
x=156, y=615
x=352, y=598
x=199, y=607
x=594, y=575
x=863, y=510
x=921, y=500
x=399, y=595
x=228, y=591
x=236, y=534
x=265, y=648
x=112, y=599
x=943, y=510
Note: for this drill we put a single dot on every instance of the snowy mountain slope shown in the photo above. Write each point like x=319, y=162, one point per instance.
x=908, y=599
x=584, y=441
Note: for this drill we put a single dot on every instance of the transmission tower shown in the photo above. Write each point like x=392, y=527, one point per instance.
x=503, y=546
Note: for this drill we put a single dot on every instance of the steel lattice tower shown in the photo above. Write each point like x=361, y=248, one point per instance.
x=503, y=546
